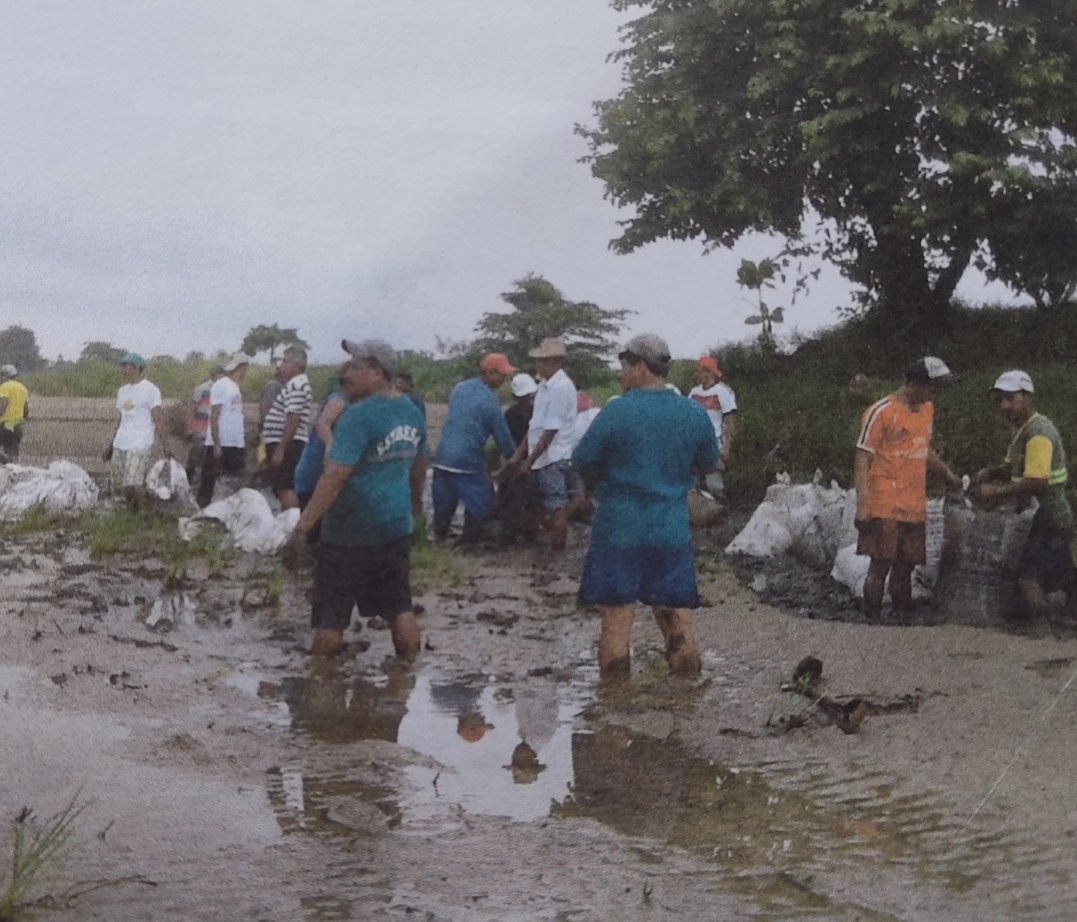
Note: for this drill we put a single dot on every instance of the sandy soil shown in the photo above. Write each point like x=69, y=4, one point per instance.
x=228, y=778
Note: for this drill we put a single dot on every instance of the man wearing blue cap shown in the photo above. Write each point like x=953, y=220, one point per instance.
x=138, y=430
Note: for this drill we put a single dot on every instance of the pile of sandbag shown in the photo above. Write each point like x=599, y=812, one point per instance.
x=62, y=488
x=167, y=480
x=249, y=520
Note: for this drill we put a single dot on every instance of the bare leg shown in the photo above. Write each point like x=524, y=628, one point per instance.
x=901, y=585
x=559, y=529
x=405, y=631
x=874, y=584
x=614, y=655
x=682, y=651
x=327, y=642
x=1033, y=598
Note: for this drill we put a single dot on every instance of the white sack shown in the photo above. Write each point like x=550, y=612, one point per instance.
x=804, y=520
x=167, y=480
x=249, y=520
x=62, y=488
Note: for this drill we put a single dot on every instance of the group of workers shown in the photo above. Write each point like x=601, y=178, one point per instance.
x=894, y=460
x=357, y=470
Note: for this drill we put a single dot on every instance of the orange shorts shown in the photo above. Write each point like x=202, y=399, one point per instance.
x=897, y=542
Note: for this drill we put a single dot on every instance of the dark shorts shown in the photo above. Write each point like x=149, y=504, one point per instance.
x=376, y=579
x=10, y=441
x=1046, y=560
x=282, y=479
x=894, y=542
x=663, y=576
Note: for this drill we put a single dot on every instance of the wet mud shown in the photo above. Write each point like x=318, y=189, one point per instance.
x=228, y=777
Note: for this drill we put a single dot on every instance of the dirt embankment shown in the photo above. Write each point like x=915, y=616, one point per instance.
x=229, y=778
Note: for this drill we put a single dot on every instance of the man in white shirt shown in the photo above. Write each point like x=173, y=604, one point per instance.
x=551, y=438
x=226, y=450
x=138, y=429
x=717, y=398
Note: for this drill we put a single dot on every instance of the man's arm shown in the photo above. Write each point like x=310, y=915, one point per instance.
x=329, y=487
x=3, y=405
x=861, y=466
x=215, y=429
x=291, y=427
x=936, y=467
x=417, y=480
x=158, y=425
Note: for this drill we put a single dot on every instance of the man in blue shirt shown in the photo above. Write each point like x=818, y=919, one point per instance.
x=368, y=495
x=639, y=457
x=460, y=463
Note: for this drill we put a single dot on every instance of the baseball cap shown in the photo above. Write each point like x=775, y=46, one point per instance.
x=235, y=361
x=550, y=348
x=1013, y=382
x=496, y=361
x=372, y=350
x=133, y=358
x=648, y=347
x=710, y=363
x=10, y=370
x=523, y=385
x=929, y=370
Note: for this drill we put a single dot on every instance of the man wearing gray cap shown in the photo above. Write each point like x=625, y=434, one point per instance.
x=367, y=499
x=14, y=408
x=1035, y=466
x=640, y=457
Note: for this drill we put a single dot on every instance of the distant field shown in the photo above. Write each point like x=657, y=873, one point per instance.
x=79, y=428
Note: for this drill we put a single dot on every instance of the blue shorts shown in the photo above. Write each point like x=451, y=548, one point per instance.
x=556, y=484
x=663, y=576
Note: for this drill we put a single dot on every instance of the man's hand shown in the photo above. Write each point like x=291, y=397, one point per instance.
x=277, y=458
x=106, y=455
x=218, y=452
x=297, y=553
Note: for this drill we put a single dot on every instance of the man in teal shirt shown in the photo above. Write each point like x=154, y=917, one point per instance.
x=368, y=495
x=639, y=457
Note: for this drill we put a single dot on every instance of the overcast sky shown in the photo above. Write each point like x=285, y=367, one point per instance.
x=174, y=173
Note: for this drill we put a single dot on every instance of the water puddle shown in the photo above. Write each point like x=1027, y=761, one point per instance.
x=779, y=834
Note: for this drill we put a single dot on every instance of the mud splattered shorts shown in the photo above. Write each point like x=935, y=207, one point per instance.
x=376, y=579
x=896, y=542
x=128, y=468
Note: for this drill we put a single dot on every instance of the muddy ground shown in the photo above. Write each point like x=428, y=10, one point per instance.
x=229, y=778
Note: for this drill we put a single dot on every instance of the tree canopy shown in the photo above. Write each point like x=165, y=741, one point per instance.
x=919, y=135
x=540, y=310
x=99, y=351
x=270, y=338
x=18, y=347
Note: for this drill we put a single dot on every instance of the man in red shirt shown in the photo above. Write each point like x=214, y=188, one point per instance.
x=893, y=459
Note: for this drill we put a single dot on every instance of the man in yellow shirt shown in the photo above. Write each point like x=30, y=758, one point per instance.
x=1035, y=466
x=14, y=409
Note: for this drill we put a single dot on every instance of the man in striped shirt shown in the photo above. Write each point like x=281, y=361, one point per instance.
x=893, y=459
x=286, y=427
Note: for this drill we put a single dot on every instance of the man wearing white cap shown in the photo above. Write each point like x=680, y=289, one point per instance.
x=890, y=469
x=14, y=408
x=226, y=444
x=1035, y=466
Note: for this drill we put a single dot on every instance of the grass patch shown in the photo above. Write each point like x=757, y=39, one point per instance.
x=121, y=531
x=36, y=519
x=434, y=566
x=35, y=851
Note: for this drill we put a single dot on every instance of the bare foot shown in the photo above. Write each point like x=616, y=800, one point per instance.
x=327, y=642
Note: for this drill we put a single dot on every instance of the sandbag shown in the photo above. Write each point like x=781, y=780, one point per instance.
x=979, y=563
x=62, y=488
x=803, y=520
x=167, y=480
x=249, y=520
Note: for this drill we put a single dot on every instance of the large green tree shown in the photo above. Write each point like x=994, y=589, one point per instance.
x=269, y=338
x=904, y=128
x=540, y=310
x=18, y=347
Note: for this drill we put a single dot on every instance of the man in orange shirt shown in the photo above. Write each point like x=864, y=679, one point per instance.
x=893, y=459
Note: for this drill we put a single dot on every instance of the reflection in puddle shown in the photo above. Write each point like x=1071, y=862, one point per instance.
x=775, y=835
x=176, y=609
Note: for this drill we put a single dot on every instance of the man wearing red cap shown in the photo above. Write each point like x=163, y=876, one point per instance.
x=717, y=398
x=460, y=463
